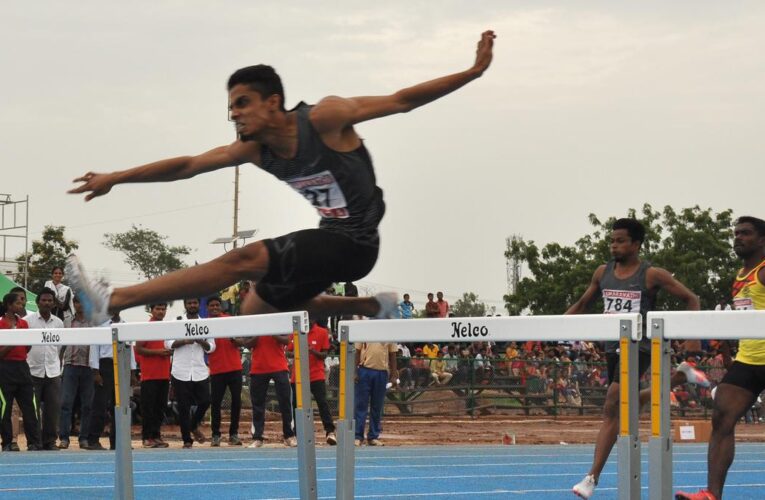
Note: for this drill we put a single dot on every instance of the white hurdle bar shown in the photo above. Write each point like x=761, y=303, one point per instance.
x=664, y=326
x=57, y=336
x=118, y=334
x=294, y=323
x=624, y=328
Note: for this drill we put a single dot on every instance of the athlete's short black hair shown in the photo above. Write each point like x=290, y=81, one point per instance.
x=214, y=298
x=634, y=228
x=261, y=78
x=759, y=224
x=45, y=291
x=152, y=306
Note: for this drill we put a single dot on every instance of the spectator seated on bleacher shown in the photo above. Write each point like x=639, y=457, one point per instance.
x=441, y=376
x=420, y=369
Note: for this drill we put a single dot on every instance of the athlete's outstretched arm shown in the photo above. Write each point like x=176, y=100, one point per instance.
x=182, y=167
x=337, y=113
x=589, y=295
x=665, y=280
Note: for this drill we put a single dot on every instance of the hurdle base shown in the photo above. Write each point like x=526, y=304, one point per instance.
x=660, y=468
x=306, y=454
x=346, y=447
x=629, y=467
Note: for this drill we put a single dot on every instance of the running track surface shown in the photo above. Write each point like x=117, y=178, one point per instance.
x=439, y=472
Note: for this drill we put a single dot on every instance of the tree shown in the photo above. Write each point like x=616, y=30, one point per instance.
x=694, y=244
x=47, y=253
x=146, y=252
x=468, y=306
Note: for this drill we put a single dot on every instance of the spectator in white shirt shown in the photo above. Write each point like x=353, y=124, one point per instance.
x=190, y=378
x=45, y=367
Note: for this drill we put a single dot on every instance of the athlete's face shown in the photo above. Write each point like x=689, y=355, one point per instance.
x=622, y=246
x=57, y=275
x=213, y=309
x=45, y=304
x=250, y=113
x=158, y=312
x=192, y=306
x=746, y=241
x=17, y=307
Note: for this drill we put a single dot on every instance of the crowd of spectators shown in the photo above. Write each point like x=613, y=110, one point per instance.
x=81, y=405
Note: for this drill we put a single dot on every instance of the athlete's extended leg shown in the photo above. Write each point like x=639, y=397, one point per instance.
x=248, y=262
x=382, y=304
x=604, y=443
x=608, y=432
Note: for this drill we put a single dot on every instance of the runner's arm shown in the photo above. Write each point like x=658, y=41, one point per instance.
x=665, y=280
x=589, y=295
x=182, y=167
x=337, y=113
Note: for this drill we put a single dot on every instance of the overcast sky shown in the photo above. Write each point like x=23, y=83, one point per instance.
x=588, y=107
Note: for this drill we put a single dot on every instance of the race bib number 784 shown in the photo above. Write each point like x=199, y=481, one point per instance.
x=621, y=301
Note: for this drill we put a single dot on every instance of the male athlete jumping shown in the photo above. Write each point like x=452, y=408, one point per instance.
x=316, y=150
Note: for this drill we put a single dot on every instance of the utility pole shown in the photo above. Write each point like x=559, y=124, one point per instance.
x=236, y=203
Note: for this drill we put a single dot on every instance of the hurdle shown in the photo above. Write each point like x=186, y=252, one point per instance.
x=624, y=328
x=665, y=326
x=120, y=334
x=294, y=323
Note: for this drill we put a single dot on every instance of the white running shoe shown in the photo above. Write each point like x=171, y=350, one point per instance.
x=388, y=305
x=694, y=375
x=94, y=295
x=290, y=442
x=257, y=443
x=586, y=487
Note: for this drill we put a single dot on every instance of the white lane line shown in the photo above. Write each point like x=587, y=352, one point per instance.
x=359, y=457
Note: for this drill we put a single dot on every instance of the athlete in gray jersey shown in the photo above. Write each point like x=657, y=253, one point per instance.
x=628, y=284
x=317, y=151
x=627, y=295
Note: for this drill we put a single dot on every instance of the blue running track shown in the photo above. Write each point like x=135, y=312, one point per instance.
x=439, y=472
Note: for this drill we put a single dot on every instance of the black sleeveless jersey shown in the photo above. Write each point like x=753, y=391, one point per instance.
x=341, y=186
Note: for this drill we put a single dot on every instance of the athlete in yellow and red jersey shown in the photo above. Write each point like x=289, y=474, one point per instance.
x=745, y=379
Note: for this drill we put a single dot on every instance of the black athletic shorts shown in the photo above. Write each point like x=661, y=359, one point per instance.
x=749, y=377
x=612, y=362
x=305, y=263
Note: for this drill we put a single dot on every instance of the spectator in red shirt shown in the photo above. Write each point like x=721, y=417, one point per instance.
x=318, y=347
x=431, y=307
x=225, y=372
x=154, y=360
x=269, y=363
x=16, y=380
x=443, y=306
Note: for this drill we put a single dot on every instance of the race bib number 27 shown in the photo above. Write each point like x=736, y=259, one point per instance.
x=323, y=192
x=621, y=301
